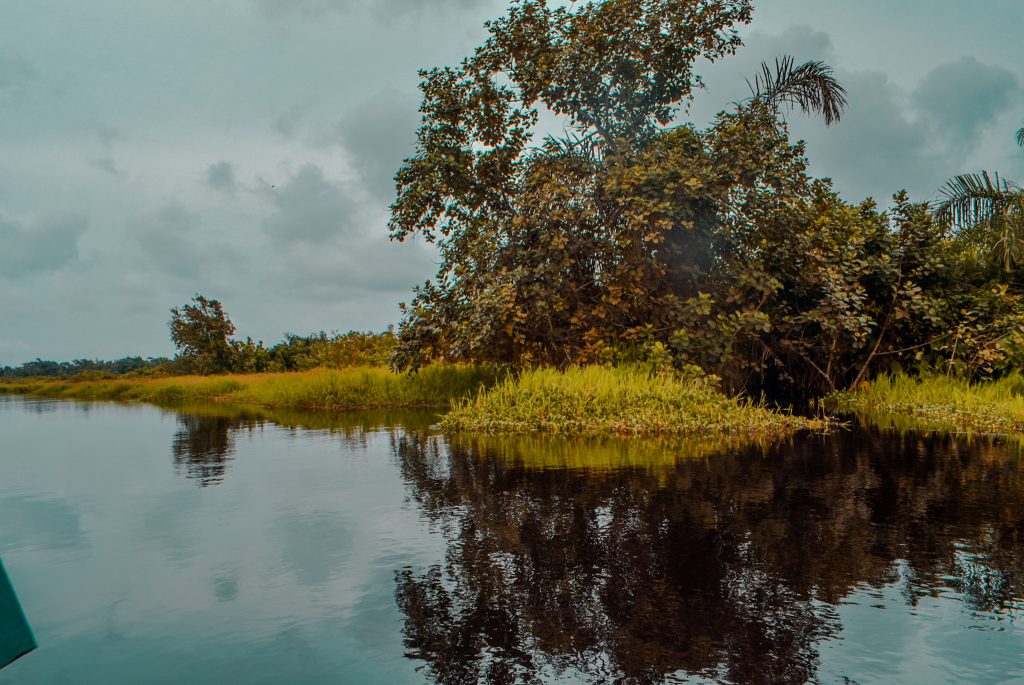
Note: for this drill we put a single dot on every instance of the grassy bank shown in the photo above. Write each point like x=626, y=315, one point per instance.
x=940, y=402
x=600, y=400
x=580, y=401
x=340, y=390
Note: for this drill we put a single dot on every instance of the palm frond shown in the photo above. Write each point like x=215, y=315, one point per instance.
x=810, y=86
x=987, y=210
x=1020, y=136
x=973, y=199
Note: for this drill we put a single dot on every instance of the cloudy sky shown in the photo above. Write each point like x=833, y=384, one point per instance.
x=244, y=148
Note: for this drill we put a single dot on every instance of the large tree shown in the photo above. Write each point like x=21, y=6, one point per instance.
x=561, y=248
x=202, y=333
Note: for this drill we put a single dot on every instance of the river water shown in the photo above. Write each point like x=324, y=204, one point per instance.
x=207, y=545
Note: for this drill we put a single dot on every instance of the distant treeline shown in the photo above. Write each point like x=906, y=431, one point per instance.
x=294, y=353
x=93, y=367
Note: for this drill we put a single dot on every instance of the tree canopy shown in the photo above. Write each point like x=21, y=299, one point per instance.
x=633, y=234
x=202, y=333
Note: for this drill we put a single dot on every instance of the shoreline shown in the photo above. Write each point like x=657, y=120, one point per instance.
x=587, y=401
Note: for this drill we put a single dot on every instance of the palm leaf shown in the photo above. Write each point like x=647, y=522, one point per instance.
x=987, y=209
x=973, y=199
x=810, y=86
x=1020, y=137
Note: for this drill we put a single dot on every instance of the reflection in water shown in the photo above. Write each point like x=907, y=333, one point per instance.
x=728, y=568
x=34, y=523
x=204, y=445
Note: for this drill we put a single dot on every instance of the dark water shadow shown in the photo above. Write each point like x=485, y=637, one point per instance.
x=727, y=566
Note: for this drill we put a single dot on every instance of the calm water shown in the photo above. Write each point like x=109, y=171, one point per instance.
x=151, y=546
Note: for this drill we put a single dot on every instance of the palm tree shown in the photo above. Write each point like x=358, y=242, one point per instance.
x=988, y=210
x=809, y=86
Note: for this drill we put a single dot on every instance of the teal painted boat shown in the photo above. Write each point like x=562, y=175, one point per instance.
x=16, y=639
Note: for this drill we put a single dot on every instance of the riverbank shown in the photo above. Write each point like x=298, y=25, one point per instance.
x=599, y=400
x=986, y=407
x=337, y=390
x=581, y=401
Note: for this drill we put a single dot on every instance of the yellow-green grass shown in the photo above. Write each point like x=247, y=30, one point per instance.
x=342, y=390
x=599, y=400
x=938, y=402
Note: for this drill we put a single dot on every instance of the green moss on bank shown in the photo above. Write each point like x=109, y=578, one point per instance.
x=942, y=403
x=599, y=400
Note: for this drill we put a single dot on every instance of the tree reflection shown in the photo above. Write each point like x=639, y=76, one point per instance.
x=725, y=567
x=204, y=445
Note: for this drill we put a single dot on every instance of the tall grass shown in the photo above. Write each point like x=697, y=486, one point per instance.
x=995, y=406
x=342, y=389
x=598, y=400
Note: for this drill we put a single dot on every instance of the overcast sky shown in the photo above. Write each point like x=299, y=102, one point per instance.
x=244, y=148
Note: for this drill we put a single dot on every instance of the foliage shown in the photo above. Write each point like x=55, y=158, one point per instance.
x=202, y=333
x=611, y=236
x=809, y=86
x=632, y=237
x=335, y=351
x=40, y=368
x=532, y=239
x=605, y=400
x=988, y=211
x=249, y=356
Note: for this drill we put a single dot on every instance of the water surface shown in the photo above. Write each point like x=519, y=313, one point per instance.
x=210, y=545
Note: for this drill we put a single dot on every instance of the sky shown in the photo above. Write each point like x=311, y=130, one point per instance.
x=244, y=149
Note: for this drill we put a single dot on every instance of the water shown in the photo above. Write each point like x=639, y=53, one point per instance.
x=211, y=546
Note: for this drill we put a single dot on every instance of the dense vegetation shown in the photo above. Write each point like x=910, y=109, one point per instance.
x=42, y=368
x=202, y=333
x=946, y=403
x=600, y=400
x=636, y=235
